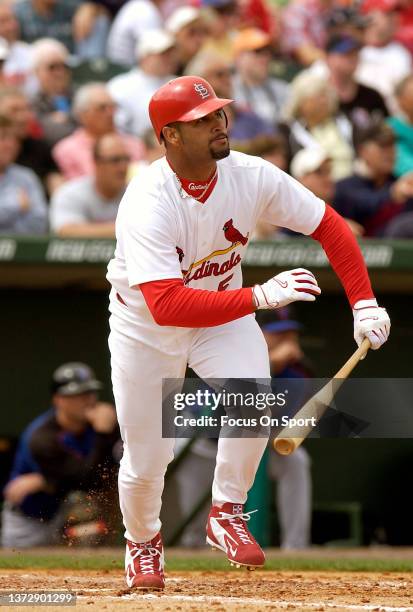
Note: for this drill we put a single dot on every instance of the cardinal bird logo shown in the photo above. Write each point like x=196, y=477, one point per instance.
x=181, y=254
x=232, y=234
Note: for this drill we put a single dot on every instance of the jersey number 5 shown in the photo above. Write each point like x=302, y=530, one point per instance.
x=224, y=283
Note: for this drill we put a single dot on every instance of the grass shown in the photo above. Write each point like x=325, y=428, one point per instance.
x=199, y=562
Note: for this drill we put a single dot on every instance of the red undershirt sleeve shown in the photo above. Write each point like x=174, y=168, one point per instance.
x=173, y=304
x=345, y=256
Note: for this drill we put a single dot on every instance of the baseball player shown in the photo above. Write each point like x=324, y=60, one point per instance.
x=177, y=299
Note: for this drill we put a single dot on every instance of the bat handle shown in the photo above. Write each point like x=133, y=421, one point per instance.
x=360, y=353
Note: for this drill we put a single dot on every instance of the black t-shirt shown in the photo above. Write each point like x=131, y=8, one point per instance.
x=35, y=154
x=367, y=106
x=113, y=6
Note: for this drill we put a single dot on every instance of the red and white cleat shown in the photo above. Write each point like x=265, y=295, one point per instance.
x=227, y=530
x=144, y=564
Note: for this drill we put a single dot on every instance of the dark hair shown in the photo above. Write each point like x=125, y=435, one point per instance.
x=378, y=132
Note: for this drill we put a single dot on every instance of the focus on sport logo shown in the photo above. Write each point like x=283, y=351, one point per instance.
x=201, y=90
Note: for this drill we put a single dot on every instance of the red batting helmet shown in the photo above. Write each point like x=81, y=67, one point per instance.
x=183, y=99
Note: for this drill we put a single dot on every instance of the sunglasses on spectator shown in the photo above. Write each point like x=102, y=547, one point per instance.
x=114, y=159
x=104, y=106
x=57, y=66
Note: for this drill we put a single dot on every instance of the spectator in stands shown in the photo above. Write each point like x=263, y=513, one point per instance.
x=383, y=61
x=154, y=151
x=23, y=208
x=53, y=99
x=187, y=27
x=274, y=149
x=134, y=19
x=402, y=126
x=292, y=473
x=314, y=121
x=34, y=151
x=87, y=206
x=46, y=19
x=360, y=104
x=223, y=20
x=68, y=448
x=244, y=126
x=17, y=64
x=372, y=196
x=94, y=108
x=155, y=54
x=254, y=88
x=303, y=29
x=312, y=168
x=260, y=14
x=91, y=24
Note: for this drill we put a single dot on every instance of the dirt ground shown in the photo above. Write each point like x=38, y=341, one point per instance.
x=220, y=591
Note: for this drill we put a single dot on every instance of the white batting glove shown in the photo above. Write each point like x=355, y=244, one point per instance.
x=372, y=322
x=286, y=287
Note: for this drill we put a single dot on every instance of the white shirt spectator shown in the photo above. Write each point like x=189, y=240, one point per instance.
x=134, y=18
x=77, y=201
x=18, y=65
x=382, y=68
x=132, y=92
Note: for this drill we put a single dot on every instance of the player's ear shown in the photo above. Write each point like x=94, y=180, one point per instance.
x=171, y=135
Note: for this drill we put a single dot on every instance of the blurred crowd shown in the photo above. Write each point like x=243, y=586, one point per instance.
x=322, y=88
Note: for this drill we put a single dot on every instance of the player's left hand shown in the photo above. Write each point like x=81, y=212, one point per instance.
x=372, y=322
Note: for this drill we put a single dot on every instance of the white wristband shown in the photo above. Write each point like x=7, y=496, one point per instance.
x=365, y=304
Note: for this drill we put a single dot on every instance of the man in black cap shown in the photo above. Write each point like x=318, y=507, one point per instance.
x=68, y=448
x=359, y=103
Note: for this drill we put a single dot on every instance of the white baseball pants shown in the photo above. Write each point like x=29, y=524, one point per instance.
x=234, y=350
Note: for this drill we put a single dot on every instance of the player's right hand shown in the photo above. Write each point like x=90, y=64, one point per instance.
x=286, y=287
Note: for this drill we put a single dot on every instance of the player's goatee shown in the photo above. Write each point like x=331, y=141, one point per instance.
x=220, y=154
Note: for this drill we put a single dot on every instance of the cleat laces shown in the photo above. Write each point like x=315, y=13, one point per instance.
x=237, y=521
x=146, y=556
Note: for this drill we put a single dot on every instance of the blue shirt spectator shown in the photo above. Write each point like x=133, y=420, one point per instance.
x=23, y=208
x=372, y=196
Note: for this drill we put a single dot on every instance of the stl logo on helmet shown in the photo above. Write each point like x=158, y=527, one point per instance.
x=201, y=90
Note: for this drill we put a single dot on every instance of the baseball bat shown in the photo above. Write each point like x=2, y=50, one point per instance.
x=289, y=439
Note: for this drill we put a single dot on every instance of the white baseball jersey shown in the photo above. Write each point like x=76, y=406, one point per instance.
x=163, y=233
